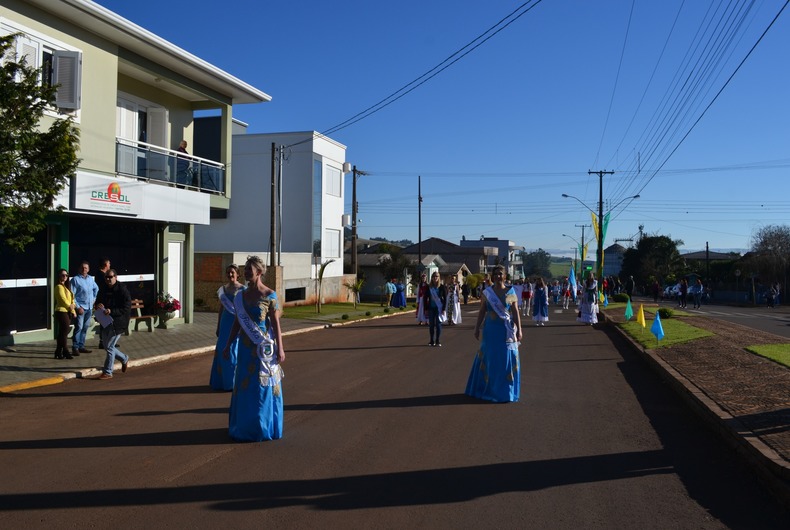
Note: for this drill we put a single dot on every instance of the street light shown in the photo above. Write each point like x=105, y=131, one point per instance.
x=599, y=215
x=577, y=247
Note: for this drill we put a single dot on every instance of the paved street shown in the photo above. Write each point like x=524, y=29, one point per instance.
x=379, y=435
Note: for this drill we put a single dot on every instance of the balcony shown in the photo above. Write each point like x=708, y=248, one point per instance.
x=161, y=165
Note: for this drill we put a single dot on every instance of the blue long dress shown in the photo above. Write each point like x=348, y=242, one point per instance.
x=222, y=369
x=399, y=298
x=256, y=404
x=496, y=374
x=540, y=305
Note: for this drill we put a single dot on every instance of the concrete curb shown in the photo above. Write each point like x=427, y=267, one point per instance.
x=772, y=469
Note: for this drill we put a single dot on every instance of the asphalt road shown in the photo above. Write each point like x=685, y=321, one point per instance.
x=776, y=321
x=379, y=435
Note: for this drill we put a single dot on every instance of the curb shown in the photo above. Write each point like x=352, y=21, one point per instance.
x=772, y=469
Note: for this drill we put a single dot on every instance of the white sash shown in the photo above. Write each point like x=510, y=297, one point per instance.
x=270, y=372
x=502, y=312
x=226, y=302
x=434, y=292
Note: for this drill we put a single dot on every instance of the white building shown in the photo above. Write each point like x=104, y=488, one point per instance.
x=310, y=221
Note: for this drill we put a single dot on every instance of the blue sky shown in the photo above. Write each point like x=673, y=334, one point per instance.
x=499, y=136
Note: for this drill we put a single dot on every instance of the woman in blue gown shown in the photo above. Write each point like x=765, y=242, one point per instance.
x=399, y=298
x=496, y=372
x=256, y=404
x=540, y=303
x=222, y=369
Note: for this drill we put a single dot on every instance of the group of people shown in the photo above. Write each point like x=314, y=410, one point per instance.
x=395, y=292
x=78, y=299
x=249, y=354
x=438, y=303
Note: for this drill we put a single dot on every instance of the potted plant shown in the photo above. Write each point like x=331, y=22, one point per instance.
x=166, y=307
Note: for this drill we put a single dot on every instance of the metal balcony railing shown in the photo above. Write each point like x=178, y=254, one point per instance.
x=159, y=164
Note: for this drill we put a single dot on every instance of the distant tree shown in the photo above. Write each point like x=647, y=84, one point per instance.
x=654, y=256
x=355, y=287
x=537, y=263
x=771, y=253
x=320, y=282
x=35, y=162
x=401, y=243
x=394, y=263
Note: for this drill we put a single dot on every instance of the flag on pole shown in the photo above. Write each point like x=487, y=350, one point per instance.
x=640, y=317
x=657, y=329
x=572, y=280
x=600, y=297
x=629, y=311
x=605, y=300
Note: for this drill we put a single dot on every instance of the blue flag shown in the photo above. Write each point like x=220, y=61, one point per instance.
x=657, y=329
x=605, y=300
x=572, y=280
x=629, y=311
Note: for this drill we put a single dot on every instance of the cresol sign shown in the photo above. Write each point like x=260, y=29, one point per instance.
x=112, y=199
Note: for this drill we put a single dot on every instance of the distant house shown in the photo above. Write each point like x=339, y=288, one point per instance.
x=613, y=259
x=507, y=253
x=475, y=257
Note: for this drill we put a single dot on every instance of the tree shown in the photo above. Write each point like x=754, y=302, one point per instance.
x=654, y=256
x=355, y=287
x=537, y=263
x=35, y=163
x=771, y=252
x=321, y=270
x=394, y=263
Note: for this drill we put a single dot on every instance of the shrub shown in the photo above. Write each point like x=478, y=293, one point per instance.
x=665, y=312
x=344, y=316
x=367, y=313
x=386, y=309
x=620, y=297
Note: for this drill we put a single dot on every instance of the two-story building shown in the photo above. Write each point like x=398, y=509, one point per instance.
x=135, y=198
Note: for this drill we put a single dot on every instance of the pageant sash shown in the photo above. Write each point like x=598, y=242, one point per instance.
x=266, y=349
x=502, y=312
x=434, y=292
x=225, y=300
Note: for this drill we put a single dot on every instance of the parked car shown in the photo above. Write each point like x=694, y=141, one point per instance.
x=670, y=292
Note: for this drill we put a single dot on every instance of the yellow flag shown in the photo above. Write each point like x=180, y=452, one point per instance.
x=640, y=317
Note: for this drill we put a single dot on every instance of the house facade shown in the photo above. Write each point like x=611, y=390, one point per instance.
x=308, y=224
x=134, y=199
x=507, y=254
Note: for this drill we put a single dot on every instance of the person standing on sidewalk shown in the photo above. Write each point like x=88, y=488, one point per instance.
x=65, y=310
x=104, y=266
x=116, y=302
x=85, y=291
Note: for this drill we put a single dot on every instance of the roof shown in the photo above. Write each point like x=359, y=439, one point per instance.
x=107, y=24
x=718, y=256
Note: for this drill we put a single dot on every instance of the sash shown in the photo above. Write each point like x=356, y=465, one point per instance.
x=502, y=312
x=226, y=302
x=434, y=292
x=270, y=372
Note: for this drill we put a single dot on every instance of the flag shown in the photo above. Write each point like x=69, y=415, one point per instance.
x=629, y=311
x=605, y=300
x=657, y=329
x=572, y=280
x=640, y=317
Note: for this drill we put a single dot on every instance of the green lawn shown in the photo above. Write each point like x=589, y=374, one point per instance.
x=776, y=352
x=675, y=331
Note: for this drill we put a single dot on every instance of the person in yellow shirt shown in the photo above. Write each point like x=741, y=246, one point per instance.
x=65, y=310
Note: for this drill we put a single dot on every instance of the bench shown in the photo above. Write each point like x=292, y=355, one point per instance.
x=137, y=316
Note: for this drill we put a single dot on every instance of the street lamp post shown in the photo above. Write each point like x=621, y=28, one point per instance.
x=599, y=253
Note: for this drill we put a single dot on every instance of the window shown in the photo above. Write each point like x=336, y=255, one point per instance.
x=331, y=243
x=334, y=181
x=59, y=66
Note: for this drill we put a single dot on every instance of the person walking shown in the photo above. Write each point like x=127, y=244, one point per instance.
x=256, y=404
x=435, y=300
x=696, y=293
x=465, y=292
x=104, y=266
x=422, y=310
x=116, y=302
x=222, y=369
x=540, y=297
x=65, y=311
x=526, y=296
x=453, y=301
x=85, y=291
x=495, y=374
x=588, y=309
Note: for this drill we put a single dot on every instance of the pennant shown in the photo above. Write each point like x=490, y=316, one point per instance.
x=640, y=317
x=605, y=300
x=572, y=281
x=657, y=329
x=600, y=296
x=629, y=311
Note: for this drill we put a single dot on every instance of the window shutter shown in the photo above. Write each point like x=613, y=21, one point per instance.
x=67, y=70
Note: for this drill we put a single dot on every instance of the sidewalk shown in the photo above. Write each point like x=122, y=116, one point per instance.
x=742, y=396
x=31, y=365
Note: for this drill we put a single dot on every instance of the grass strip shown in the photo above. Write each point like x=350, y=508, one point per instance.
x=779, y=353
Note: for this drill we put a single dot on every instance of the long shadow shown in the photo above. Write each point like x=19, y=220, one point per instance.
x=765, y=423
x=150, y=439
x=713, y=475
x=412, y=488
x=195, y=389
x=420, y=401
x=216, y=410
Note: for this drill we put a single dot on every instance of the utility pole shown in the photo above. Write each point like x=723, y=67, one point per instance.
x=419, y=225
x=581, y=250
x=599, y=256
x=273, y=223
x=354, y=208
